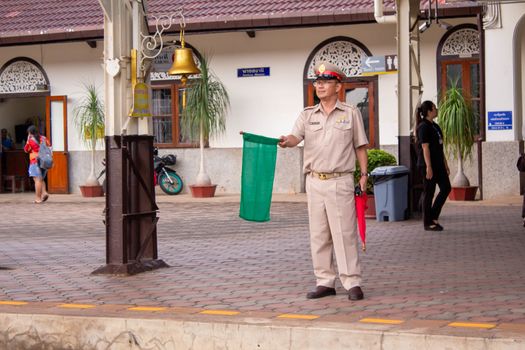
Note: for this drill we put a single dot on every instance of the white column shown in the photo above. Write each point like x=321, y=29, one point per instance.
x=117, y=50
x=502, y=59
x=407, y=85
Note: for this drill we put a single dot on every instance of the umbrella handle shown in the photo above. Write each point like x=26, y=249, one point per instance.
x=363, y=247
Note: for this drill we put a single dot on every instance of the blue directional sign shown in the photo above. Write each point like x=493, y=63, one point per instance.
x=253, y=72
x=500, y=120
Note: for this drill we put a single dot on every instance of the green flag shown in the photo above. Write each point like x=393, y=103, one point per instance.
x=259, y=154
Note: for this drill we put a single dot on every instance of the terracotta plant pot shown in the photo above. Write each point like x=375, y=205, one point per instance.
x=370, y=212
x=463, y=193
x=92, y=191
x=202, y=191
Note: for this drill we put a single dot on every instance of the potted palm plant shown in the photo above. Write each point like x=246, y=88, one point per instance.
x=376, y=158
x=456, y=118
x=204, y=116
x=89, y=119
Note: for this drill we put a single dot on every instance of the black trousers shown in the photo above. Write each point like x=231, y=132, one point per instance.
x=523, y=208
x=431, y=210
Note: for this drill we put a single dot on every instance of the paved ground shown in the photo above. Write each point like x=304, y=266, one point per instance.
x=472, y=271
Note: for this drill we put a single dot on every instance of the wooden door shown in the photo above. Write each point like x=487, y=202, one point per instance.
x=56, y=132
x=465, y=73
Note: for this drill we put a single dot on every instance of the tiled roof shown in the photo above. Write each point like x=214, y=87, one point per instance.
x=235, y=14
x=34, y=19
x=234, y=8
x=31, y=21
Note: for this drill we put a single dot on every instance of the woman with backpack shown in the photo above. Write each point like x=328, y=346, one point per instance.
x=34, y=139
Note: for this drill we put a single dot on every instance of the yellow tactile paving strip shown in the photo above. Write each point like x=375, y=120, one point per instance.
x=147, y=308
x=77, y=306
x=179, y=310
x=298, y=316
x=220, y=312
x=472, y=325
x=16, y=303
x=380, y=321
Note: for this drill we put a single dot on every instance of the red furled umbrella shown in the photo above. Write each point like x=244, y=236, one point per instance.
x=360, y=208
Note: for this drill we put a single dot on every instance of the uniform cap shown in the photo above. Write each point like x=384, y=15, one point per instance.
x=328, y=71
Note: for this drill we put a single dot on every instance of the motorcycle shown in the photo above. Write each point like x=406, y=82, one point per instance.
x=167, y=178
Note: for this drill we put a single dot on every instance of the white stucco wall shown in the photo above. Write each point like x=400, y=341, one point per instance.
x=262, y=105
x=499, y=63
x=270, y=105
x=68, y=66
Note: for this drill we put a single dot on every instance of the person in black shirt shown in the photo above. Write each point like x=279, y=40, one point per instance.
x=432, y=165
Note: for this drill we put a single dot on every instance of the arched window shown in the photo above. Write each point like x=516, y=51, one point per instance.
x=458, y=63
x=166, y=101
x=347, y=54
x=23, y=77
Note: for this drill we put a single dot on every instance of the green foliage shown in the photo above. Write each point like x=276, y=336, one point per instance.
x=208, y=102
x=89, y=117
x=457, y=120
x=376, y=158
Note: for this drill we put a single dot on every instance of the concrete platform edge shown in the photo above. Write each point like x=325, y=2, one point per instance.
x=45, y=331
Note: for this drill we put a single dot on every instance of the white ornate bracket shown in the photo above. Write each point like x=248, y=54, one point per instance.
x=152, y=45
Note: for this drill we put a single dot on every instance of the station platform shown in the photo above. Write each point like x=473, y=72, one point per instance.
x=234, y=284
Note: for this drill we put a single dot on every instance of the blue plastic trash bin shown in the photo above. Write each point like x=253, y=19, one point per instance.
x=391, y=192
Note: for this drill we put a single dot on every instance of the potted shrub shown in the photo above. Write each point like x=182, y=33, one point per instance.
x=89, y=119
x=376, y=158
x=204, y=116
x=456, y=118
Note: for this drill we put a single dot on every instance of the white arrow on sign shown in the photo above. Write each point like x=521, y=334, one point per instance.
x=370, y=60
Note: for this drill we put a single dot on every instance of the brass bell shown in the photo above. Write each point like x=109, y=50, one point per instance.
x=183, y=63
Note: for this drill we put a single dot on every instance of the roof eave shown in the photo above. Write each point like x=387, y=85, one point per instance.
x=13, y=39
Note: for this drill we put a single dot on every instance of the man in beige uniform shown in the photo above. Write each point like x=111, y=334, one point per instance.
x=334, y=136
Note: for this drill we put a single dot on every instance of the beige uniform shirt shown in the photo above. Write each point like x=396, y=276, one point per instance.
x=330, y=141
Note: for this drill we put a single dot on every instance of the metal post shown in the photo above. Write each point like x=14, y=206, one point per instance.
x=131, y=211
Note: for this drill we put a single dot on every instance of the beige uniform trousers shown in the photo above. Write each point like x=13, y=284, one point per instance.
x=333, y=226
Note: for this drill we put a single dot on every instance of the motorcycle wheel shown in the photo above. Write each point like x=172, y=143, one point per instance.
x=166, y=185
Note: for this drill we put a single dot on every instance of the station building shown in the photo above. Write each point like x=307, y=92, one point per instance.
x=264, y=53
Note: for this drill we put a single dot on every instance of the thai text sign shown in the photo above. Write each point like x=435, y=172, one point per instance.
x=253, y=72
x=501, y=120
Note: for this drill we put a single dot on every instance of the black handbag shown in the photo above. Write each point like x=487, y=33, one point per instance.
x=521, y=163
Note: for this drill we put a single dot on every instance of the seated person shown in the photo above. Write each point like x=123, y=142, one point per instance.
x=7, y=142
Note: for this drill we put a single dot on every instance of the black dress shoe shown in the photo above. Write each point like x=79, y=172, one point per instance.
x=434, y=227
x=355, y=293
x=320, y=292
